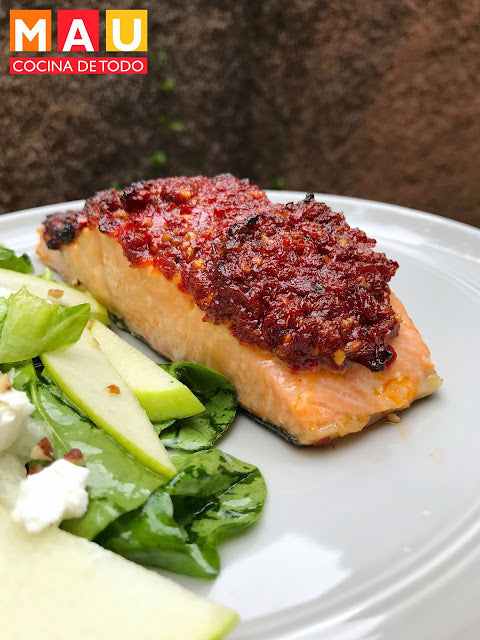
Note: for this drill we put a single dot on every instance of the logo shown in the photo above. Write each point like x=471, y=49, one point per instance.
x=78, y=31
x=126, y=30
x=30, y=30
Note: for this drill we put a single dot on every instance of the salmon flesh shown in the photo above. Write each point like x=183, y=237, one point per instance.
x=287, y=301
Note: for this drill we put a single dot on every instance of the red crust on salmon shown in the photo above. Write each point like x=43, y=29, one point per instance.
x=287, y=301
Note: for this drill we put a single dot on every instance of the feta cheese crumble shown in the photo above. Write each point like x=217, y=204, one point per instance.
x=54, y=494
x=15, y=407
x=5, y=293
x=45, y=498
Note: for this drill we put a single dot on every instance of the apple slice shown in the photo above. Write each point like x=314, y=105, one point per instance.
x=54, y=585
x=56, y=292
x=161, y=395
x=85, y=375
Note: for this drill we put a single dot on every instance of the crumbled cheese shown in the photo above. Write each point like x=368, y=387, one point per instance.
x=5, y=293
x=15, y=407
x=54, y=494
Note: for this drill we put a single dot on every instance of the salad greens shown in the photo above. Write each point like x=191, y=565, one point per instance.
x=30, y=325
x=131, y=510
x=47, y=275
x=8, y=260
x=212, y=496
x=117, y=482
x=217, y=395
x=174, y=524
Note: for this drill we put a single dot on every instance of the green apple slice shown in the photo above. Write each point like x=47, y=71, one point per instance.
x=56, y=292
x=85, y=375
x=54, y=585
x=161, y=395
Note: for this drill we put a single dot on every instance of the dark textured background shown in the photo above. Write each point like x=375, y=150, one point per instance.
x=378, y=99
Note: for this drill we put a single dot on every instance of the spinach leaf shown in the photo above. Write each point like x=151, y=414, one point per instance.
x=3, y=310
x=151, y=536
x=217, y=395
x=161, y=426
x=212, y=496
x=30, y=326
x=8, y=260
x=117, y=483
x=47, y=275
x=25, y=375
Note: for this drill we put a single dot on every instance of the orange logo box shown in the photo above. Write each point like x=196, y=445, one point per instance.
x=30, y=30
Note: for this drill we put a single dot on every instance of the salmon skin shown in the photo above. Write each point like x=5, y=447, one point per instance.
x=287, y=301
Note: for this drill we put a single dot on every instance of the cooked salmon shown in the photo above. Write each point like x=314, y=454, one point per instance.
x=187, y=264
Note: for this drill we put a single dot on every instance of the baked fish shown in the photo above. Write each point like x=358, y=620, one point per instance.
x=287, y=301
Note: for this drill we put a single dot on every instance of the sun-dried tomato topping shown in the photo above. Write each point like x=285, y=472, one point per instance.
x=114, y=389
x=294, y=279
x=62, y=228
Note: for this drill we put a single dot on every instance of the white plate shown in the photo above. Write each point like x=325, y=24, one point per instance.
x=378, y=538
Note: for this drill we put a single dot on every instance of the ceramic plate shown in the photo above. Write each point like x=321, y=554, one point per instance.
x=379, y=537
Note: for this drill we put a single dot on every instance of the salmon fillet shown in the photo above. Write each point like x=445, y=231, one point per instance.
x=321, y=394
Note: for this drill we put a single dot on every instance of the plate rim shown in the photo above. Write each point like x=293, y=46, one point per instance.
x=435, y=219
x=272, y=194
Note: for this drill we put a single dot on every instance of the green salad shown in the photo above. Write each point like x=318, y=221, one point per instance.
x=173, y=523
